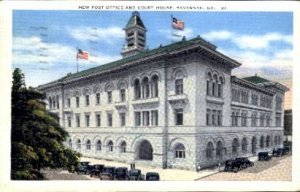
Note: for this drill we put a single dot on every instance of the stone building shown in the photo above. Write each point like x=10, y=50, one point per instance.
x=175, y=106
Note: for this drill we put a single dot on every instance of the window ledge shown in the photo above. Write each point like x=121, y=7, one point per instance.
x=145, y=101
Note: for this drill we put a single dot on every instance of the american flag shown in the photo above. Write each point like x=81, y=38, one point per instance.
x=177, y=24
x=82, y=55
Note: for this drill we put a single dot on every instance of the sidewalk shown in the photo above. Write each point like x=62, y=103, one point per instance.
x=165, y=174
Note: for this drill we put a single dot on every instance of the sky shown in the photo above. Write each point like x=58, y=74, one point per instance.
x=45, y=42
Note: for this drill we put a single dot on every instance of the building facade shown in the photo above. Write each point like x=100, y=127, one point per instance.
x=175, y=106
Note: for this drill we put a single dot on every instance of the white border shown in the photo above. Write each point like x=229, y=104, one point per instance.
x=6, y=184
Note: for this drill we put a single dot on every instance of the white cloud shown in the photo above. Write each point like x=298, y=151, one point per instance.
x=177, y=34
x=218, y=35
x=108, y=35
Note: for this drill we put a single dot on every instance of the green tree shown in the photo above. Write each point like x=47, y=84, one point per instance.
x=36, y=136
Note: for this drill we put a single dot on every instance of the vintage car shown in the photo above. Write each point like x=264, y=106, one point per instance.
x=152, y=176
x=277, y=152
x=135, y=175
x=108, y=173
x=243, y=162
x=96, y=170
x=263, y=156
x=232, y=165
x=121, y=173
x=83, y=168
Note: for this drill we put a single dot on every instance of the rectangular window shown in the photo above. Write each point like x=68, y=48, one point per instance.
x=146, y=118
x=179, y=86
x=87, y=120
x=87, y=100
x=98, y=120
x=122, y=95
x=109, y=97
x=97, y=98
x=154, y=118
x=69, y=121
x=122, y=119
x=208, y=117
x=278, y=120
x=262, y=120
x=213, y=117
x=179, y=117
x=77, y=102
x=69, y=102
x=219, y=118
x=137, y=116
x=78, y=120
x=109, y=119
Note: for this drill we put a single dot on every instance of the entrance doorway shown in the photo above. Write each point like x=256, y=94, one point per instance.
x=145, y=151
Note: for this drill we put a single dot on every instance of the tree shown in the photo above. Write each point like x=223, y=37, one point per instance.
x=36, y=136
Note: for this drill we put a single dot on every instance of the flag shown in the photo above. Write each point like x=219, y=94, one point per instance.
x=177, y=24
x=82, y=55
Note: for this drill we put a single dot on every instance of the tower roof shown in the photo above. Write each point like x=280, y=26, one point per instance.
x=256, y=79
x=135, y=20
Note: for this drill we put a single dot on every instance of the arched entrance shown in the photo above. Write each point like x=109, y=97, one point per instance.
x=254, y=145
x=145, y=151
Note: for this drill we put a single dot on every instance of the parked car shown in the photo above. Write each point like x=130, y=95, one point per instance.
x=83, y=168
x=96, y=170
x=264, y=156
x=135, y=175
x=232, y=165
x=286, y=150
x=121, y=173
x=108, y=173
x=152, y=176
x=277, y=152
x=243, y=162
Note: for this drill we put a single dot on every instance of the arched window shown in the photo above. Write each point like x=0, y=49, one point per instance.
x=98, y=145
x=146, y=87
x=88, y=145
x=235, y=145
x=110, y=146
x=179, y=151
x=219, y=150
x=268, y=141
x=220, y=87
x=154, y=86
x=70, y=143
x=261, y=143
x=208, y=84
x=78, y=144
x=244, y=145
x=209, y=150
x=137, y=89
x=123, y=147
x=179, y=86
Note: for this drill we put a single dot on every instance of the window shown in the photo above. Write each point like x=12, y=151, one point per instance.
x=123, y=147
x=268, y=141
x=235, y=118
x=235, y=145
x=77, y=102
x=209, y=150
x=179, y=151
x=154, y=118
x=262, y=119
x=98, y=120
x=69, y=121
x=57, y=101
x=254, y=99
x=146, y=88
x=110, y=146
x=122, y=119
x=253, y=119
x=219, y=150
x=207, y=87
x=98, y=145
x=87, y=100
x=50, y=103
x=87, y=120
x=78, y=144
x=219, y=118
x=137, y=89
x=122, y=95
x=146, y=118
x=244, y=145
x=278, y=120
x=244, y=97
x=78, y=120
x=69, y=102
x=213, y=117
x=137, y=116
x=244, y=119
x=278, y=103
x=208, y=116
x=179, y=117
x=54, y=104
x=178, y=86
x=109, y=119
x=109, y=96
x=154, y=88
x=98, y=98
x=219, y=90
x=213, y=88
x=262, y=140
x=88, y=145
x=235, y=95
x=268, y=121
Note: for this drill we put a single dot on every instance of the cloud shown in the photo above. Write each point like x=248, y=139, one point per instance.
x=254, y=42
x=108, y=35
x=178, y=34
